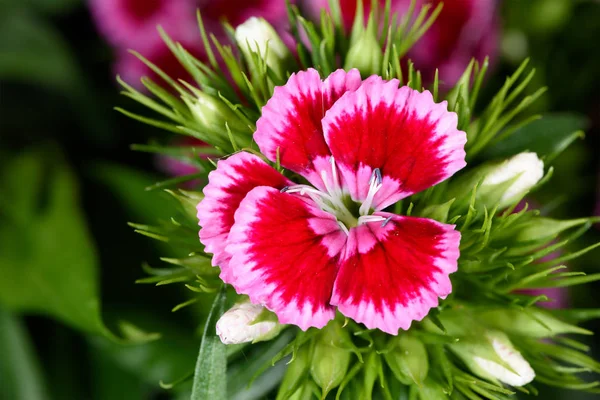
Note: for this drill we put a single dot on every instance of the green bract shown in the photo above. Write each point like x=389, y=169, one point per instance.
x=502, y=251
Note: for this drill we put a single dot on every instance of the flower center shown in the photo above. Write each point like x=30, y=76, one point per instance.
x=334, y=201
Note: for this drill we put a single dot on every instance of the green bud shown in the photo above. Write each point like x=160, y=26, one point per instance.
x=295, y=374
x=212, y=113
x=365, y=54
x=408, y=359
x=493, y=357
x=256, y=37
x=531, y=322
x=330, y=363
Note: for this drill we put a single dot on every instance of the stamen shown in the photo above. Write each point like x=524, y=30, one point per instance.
x=284, y=189
x=363, y=219
x=388, y=219
x=344, y=228
x=375, y=183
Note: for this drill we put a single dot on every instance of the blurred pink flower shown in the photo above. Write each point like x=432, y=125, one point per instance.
x=173, y=167
x=237, y=11
x=132, y=24
x=464, y=29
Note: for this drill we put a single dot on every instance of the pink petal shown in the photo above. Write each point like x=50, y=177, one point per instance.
x=412, y=140
x=227, y=187
x=392, y=274
x=132, y=23
x=291, y=121
x=285, y=254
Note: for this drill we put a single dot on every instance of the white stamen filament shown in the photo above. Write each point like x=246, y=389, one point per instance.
x=376, y=182
x=332, y=199
x=363, y=219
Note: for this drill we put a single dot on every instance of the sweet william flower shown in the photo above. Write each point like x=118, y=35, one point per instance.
x=303, y=250
x=237, y=325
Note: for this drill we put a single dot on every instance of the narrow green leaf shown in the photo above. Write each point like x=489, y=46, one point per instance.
x=210, y=376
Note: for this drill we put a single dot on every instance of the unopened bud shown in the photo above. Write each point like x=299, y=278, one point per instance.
x=494, y=357
x=501, y=183
x=330, y=363
x=238, y=325
x=408, y=359
x=365, y=54
x=255, y=36
x=212, y=112
x=522, y=171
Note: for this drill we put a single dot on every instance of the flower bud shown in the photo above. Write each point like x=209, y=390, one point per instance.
x=238, y=325
x=408, y=359
x=330, y=363
x=502, y=183
x=523, y=171
x=365, y=54
x=494, y=357
x=212, y=113
x=255, y=36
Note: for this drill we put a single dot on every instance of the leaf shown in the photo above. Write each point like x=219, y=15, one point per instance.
x=45, y=6
x=20, y=372
x=167, y=359
x=34, y=51
x=210, y=377
x=47, y=256
x=547, y=136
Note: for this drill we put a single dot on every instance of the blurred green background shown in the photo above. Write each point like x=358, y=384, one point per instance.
x=69, y=183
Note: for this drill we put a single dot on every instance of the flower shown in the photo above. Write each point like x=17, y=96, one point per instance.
x=304, y=250
x=256, y=35
x=132, y=23
x=523, y=169
x=236, y=325
x=236, y=12
x=463, y=30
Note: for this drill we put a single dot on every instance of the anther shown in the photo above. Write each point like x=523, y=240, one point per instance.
x=376, y=177
x=384, y=223
x=284, y=189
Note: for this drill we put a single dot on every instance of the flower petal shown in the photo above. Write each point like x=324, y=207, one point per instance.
x=285, y=254
x=291, y=121
x=227, y=186
x=393, y=273
x=412, y=140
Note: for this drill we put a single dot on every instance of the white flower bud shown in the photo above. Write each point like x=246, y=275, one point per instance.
x=255, y=35
x=525, y=168
x=523, y=373
x=236, y=325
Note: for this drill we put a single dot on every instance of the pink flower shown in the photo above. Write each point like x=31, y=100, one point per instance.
x=238, y=11
x=133, y=23
x=303, y=250
x=174, y=167
x=464, y=29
